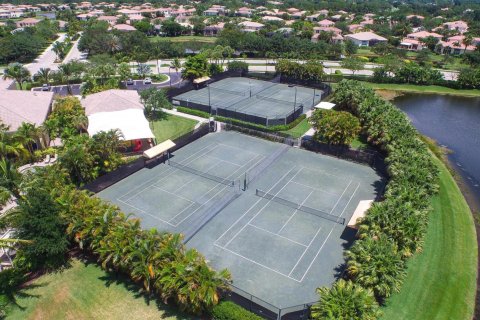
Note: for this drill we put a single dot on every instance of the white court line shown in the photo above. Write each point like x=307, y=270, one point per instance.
x=276, y=234
x=151, y=215
x=341, y=196
x=319, y=189
x=326, y=173
x=240, y=149
x=176, y=195
x=305, y=251
x=163, y=177
x=294, y=212
x=233, y=163
x=313, y=260
x=253, y=205
x=211, y=198
x=259, y=211
x=255, y=262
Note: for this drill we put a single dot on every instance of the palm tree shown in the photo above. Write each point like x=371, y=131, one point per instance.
x=345, y=300
x=113, y=44
x=10, y=147
x=28, y=134
x=10, y=178
x=66, y=72
x=375, y=263
x=59, y=49
x=43, y=74
x=17, y=72
x=467, y=41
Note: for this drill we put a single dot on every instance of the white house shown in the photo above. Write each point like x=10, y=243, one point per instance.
x=365, y=39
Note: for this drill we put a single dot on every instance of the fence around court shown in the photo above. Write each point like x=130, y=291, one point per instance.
x=124, y=171
x=275, y=137
x=264, y=309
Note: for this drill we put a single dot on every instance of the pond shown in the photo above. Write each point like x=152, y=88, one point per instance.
x=454, y=122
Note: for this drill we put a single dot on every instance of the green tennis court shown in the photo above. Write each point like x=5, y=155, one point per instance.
x=285, y=233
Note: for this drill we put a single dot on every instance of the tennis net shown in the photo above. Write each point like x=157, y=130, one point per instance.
x=203, y=174
x=300, y=207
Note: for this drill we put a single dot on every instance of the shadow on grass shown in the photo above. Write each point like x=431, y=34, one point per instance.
x=119, y=279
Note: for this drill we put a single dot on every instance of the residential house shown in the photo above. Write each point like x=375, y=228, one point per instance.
x=24, y=106
x=272, y=18
x=412, y=16
x=459, y=26
x=326, y=23
x=215, y=10
x=365, y=39
x=213, y=30
x=298, y=15
x=131, y=14
x=413, y=41
x=244, y=12
x=27, y=22
x=124, y=27
x=250, y=26
x=112, y=20
x=355, y=28
x=453, y=47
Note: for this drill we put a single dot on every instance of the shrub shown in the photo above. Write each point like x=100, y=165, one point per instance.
x=237, y=66
x=227, y=310
x=335, y=127
x=345, y=300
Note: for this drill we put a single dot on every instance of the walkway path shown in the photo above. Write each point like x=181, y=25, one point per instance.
x=189, y=116
x=75, y=54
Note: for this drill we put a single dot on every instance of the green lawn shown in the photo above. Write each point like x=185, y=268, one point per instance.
x=86, y=292
x=184, y=39
x=300, y=129
x=171, y=127
x=359, y=143
x=422, y=89
x=441, y=281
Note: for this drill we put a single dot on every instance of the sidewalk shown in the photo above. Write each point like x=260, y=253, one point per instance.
x=189, y=116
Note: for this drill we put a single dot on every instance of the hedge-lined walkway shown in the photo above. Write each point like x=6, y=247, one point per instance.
x=441, y=281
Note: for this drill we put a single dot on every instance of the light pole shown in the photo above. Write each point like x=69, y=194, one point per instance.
x=295, y=102
x=169, y=74
x=208, y=86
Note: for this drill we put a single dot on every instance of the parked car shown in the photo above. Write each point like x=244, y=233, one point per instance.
x=147, y=81
x=129, y=82
x=45, y=87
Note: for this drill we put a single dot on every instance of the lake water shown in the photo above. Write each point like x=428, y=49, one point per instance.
x=454, y=122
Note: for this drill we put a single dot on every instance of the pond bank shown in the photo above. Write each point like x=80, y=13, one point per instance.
x=394, y=88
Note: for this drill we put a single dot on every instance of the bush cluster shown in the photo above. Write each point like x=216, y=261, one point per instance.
x=230, y=311
x=393, y=229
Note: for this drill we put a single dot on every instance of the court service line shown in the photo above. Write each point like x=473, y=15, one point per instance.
x=173, y=194
x=341, y=196
x=314, y=258
x=253, y=205
x=261, y=210
x=319, y=189
x=203, y=204
x=169, y=173
x=255, y=262
x=305, y=251
x=294, y=212
x=151, y=215
x=233, y=163
x=276, y=234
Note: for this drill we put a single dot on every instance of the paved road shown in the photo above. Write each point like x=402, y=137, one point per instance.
x=46, y=59
x=75, y=54
x=138, y=85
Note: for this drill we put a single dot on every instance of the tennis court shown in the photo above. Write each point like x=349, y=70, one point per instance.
x=252, y=100
x=286, y=233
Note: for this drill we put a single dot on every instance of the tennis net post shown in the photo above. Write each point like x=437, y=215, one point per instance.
x=297, y=206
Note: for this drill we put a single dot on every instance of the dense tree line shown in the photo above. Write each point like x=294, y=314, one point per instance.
x=393, y=229
x=24, y=45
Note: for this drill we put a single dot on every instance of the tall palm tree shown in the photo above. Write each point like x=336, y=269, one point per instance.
x=467, y=41
x=66, y=72
x=17, y=72
x=28, y=134
x=113, y=44
x=10, y=147
x=59, y=49
x=43, y=74
x=10, y=178
x=176, y=64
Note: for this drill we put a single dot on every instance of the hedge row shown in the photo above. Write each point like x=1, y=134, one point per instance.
x=228, y=310
x=241, y=123
x=393, y=229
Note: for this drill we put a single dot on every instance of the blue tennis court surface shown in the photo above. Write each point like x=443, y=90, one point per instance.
x=282, y=237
